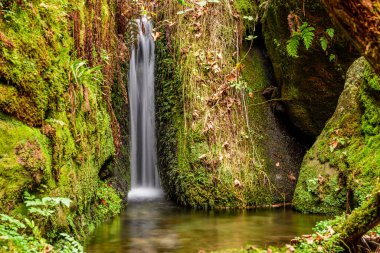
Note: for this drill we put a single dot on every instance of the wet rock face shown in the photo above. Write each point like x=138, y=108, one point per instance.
x=310, y=84
x=341, y=168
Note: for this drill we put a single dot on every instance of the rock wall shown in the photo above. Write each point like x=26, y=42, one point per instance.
x=58, y=128
x=219, y=142
x=310, y=84
x=206, y=155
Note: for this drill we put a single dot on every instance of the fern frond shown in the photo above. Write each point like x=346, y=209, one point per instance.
x=330, y=32
x=332, y=57
x=307, y=34
x=292, y=45
x=324, y=43
x=131, y=35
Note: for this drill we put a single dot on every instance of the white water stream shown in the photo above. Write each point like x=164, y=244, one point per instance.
x=144, y=175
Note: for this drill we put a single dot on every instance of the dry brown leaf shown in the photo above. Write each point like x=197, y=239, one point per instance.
x=156, y=35
x=292, y=177
x=237, y=183
x=230, y=77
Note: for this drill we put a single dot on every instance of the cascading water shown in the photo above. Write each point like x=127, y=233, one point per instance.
x=144, y=175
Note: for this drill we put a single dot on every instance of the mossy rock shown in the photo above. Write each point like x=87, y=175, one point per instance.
x=45, y=84
x=310, y=84
x=344, y=162
x=281, y=153
x=25, y=160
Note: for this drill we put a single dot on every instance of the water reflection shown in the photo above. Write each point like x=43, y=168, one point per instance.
x=155, y=227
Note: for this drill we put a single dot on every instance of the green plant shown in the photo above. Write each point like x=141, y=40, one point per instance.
x=70, y=245
x=108, y=202
x=26, y=234
x=239, y=84
x=304, y=33
x=83, y=74
x=324, y=40
x=44, y=207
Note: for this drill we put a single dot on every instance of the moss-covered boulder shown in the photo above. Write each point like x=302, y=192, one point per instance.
x=343, y=166
x=312, y=82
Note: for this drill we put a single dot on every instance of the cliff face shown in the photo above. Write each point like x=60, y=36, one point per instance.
x=58, y=128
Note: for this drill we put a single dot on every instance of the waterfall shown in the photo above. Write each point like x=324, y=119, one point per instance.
x=144, y=175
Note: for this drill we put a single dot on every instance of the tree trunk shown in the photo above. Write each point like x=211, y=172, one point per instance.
x=360, y=21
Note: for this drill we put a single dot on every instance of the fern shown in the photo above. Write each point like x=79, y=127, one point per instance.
x=332, y=57
x=330, y=32
x=132, y=32
x=293, y=44
x=307, y=34
x=324, y=43
x=71, y=245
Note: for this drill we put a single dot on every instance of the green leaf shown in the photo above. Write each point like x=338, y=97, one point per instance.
x=324, y=43
x=292, y=45
x=251, y=37
x=182, y=2
x=307, y=34
x=249, y=18
x=330, y=32
x=332, y=57
x=66, y=202
x=11, y=220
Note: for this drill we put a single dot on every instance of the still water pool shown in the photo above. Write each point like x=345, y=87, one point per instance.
x=160, y=226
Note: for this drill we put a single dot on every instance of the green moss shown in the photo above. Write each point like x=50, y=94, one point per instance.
x=24, y=160
x=42, y=84
x=348, y=149
x=13, y=103
x=247, y=8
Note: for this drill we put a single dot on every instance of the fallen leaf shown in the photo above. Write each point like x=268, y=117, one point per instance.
x=230, y=77
x=237, y=183
x=290, y=247
x=156, y=35
x=225, y=145
x=292, y=177
x=309, y=240
x=331, y=230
